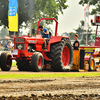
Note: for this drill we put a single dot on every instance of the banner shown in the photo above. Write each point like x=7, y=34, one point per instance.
x=86, y=16
x=13, y=16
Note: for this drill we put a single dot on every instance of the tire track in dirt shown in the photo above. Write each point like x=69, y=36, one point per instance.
x=51, y=89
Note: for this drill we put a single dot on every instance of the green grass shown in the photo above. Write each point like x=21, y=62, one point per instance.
x=14, y=64
x=66, y=75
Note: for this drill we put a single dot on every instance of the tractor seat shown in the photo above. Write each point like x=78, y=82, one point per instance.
x=50, y=34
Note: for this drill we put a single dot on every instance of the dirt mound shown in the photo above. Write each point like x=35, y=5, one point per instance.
x=87, y=88
x=55, y=97
x=26, y=80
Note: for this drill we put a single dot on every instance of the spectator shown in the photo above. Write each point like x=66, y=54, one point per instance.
x=12, y=44
x=7, y=46
x=76, y=43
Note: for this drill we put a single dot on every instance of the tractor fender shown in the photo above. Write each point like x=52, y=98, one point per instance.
x=56, y=39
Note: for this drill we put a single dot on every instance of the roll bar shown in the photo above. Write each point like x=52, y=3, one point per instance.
x=48, y=19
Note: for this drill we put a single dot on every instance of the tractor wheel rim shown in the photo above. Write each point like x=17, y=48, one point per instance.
x=65, y=56
x=8, y=62
x=40, y=62
x=92, y=64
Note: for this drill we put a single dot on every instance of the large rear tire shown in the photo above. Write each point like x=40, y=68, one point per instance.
x=62, y=55
x=5, y=61
x=37, y=62
x=23, y=65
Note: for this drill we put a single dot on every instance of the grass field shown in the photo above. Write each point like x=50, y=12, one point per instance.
x=14, y=64
x=66, y=75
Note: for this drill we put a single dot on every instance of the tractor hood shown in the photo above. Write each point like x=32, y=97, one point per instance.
x=30, y=40
x=35, y=40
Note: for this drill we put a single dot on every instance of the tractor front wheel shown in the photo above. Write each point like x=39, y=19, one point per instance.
x=37, y=62
x=5, y=61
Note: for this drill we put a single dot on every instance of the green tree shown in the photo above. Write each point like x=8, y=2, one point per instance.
x=80, y=28
x=3, y=12
x=4, y=32
x=33, y=10
x=71, y=35
x=95, y=3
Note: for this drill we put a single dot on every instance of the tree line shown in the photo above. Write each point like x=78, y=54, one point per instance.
x=33, y=10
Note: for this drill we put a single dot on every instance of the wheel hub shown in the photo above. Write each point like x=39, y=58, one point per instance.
x=65, y=56
x=92, y=64
x=40, y=62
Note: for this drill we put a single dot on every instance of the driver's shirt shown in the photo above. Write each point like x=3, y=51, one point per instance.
x=45, y=35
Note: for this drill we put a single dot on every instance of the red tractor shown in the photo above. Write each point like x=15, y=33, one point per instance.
x=30, y=56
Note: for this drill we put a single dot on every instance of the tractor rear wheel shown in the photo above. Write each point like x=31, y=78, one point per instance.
x=91, y=64
x=37, y=62
x=5, y=61
x=62, y=55
x=23, y=65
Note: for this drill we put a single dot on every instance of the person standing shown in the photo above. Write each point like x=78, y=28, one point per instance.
x=76, y=43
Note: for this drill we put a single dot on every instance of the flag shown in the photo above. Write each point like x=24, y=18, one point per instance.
x=13, y=16
x=86, y=16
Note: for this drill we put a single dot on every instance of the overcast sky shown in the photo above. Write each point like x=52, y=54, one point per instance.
x=70, y=19
x=72, y=16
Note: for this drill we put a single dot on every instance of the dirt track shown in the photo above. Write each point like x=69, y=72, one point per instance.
x=14, y=70
x=50, y=88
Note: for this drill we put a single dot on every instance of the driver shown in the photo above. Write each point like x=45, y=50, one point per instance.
x=45, y=35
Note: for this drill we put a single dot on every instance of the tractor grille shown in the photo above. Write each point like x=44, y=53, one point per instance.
x=22, y=46
x=19, y=40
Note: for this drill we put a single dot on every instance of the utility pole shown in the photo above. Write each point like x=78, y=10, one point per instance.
x=88, y=13
x=88, y=22
x=17, y=33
